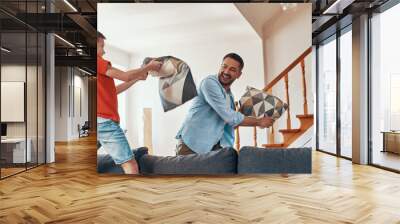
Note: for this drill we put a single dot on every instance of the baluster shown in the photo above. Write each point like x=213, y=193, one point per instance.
x=303, y=72
x=237, y=135
x=237, y=138
x=288, y=122
x=271, y=137
x=255, y=136
x=271, y=134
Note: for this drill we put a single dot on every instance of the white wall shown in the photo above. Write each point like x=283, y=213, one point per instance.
x=61, y=103
x=67, y=84
x=34, y=124
x=118, y=57
x=16, y=73
x=285, y=38
x=80, y=82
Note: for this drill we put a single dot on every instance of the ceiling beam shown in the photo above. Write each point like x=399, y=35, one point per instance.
x=86, y=26
x=337, y=7
x=76, y=61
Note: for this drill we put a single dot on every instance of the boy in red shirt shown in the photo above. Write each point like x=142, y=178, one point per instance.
x=109, y=133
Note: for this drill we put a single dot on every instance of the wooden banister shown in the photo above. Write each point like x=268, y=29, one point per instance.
x=284, y=74
x=268, y=88
x=287, y=69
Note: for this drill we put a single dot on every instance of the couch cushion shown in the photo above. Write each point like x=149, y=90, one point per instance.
x=105, y=164
x=262, y=160
x=223, y=161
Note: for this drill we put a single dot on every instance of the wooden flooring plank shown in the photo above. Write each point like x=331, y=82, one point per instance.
x=70, y=191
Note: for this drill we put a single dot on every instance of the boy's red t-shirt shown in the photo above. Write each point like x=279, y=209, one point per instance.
x=107, y=101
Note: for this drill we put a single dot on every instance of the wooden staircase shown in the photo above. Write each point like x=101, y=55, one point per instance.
x=290, y=135
x=306, y=120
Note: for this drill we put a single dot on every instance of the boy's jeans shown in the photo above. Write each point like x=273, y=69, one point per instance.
x=113, y=140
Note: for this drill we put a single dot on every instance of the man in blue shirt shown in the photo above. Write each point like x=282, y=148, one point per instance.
x=212, y=118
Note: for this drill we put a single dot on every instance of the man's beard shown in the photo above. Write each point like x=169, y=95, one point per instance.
x=225, y=79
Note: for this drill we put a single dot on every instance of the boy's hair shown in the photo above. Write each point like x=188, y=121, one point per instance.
x=100, y=35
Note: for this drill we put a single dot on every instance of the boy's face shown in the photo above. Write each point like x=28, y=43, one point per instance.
x=100, y=47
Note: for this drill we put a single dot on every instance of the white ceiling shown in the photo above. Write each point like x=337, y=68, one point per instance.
x=139, y=27
x=259, y=14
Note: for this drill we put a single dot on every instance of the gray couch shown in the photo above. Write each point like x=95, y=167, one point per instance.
x=225, y=161
x=261, y=160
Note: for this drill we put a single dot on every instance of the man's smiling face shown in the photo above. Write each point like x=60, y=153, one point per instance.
x=230, y=70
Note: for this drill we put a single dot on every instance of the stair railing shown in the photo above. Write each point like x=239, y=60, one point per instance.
x=268, y=88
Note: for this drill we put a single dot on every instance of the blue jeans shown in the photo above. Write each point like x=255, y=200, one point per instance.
x=113, y=140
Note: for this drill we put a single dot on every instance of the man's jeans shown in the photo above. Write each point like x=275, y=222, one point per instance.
x=183, y=149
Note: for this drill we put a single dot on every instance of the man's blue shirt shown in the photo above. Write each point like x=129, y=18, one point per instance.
x=211, y=118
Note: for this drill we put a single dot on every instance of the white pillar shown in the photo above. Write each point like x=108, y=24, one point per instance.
x=360, y=90
x=50, y=92
x=50, y=99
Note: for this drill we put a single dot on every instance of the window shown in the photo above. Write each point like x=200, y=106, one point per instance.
x=385, y=89
x=22, y=75
x=327, y=96
x=346, y=94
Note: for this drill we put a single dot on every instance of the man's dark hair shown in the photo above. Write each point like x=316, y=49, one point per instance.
x=235, y=57
x=100, y=35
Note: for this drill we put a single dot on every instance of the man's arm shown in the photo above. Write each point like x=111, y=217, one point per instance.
x=133, y=74
x=264, y=122
x=216, y=100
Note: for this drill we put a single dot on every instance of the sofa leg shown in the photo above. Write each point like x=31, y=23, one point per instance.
x=284, y=175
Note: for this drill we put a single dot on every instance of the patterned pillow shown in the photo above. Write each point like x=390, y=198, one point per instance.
x=256, y=103
x=176, y=85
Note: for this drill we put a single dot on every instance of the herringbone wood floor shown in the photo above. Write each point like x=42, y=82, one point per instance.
x=70, y=191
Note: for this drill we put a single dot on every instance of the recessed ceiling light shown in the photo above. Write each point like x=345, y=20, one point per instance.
x=337, y=7
x=286, y=6
x=86, y=72
x=70, y=5
x=64, y=40
x=5, y=50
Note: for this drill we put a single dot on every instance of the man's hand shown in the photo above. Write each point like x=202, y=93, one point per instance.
x=265, y=122
x=154, y=65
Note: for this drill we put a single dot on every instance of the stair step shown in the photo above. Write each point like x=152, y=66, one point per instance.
x=290, y=135
x=305, y=116
x=273, y=145
x=289, y=130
